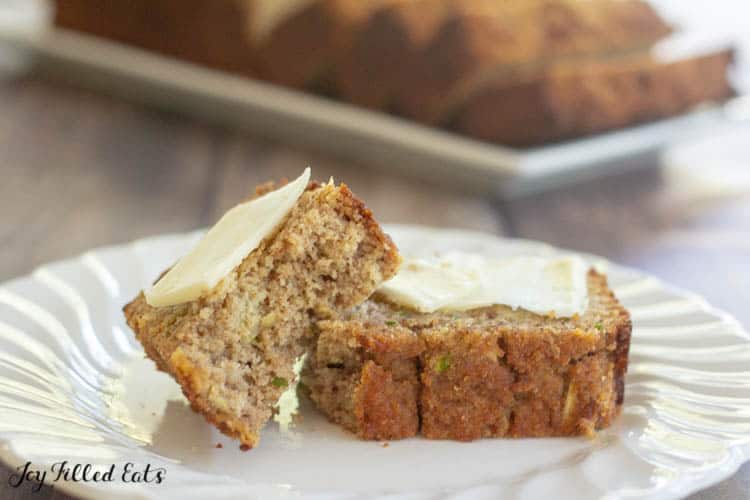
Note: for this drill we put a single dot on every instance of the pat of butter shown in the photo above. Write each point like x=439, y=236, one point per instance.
x=458, y=281
x=225, y=245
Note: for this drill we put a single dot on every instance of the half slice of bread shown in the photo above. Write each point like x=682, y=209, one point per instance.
x=385, y=372
x=232, y=350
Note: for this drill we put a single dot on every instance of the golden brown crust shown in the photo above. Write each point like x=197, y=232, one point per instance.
x=570, y=101
x=232, y=350
x=216, y=34
x=489, y=372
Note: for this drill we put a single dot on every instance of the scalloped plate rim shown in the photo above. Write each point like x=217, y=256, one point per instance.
x=680, y=487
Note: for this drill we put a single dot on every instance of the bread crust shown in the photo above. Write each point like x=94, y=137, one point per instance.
x=485, y=373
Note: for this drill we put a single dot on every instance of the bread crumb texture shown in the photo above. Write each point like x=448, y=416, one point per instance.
x=227, y=348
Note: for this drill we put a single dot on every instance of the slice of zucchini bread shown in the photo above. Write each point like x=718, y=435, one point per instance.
x=385, y=372
x=233, y=349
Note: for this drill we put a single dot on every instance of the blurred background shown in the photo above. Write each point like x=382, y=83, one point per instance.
x=615, y=128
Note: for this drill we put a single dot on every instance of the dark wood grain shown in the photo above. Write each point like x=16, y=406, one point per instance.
x=81, y=170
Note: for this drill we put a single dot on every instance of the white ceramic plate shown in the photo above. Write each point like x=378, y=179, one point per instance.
x=75, y=386
x=350, y=132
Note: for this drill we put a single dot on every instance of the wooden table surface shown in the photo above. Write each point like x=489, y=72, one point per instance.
x=81, y=170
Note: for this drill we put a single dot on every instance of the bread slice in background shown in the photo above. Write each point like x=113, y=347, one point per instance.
x=474, y=44
x=572, y=100
x=512, y=73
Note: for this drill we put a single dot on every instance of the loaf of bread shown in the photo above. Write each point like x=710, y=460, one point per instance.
x=517, y=73
x=476, y=66
x=215, y=33
x=384, y=372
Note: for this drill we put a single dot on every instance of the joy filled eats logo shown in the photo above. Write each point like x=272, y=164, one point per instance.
x=128, y=473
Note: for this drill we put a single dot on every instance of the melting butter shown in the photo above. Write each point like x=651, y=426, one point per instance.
x=225, y=245
x=458, y=281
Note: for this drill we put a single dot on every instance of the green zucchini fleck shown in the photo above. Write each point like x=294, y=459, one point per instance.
x=443, y=363
x=280, y=382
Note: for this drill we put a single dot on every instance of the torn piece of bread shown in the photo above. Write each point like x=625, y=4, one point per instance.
x=386, y=372
x=233, y=349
